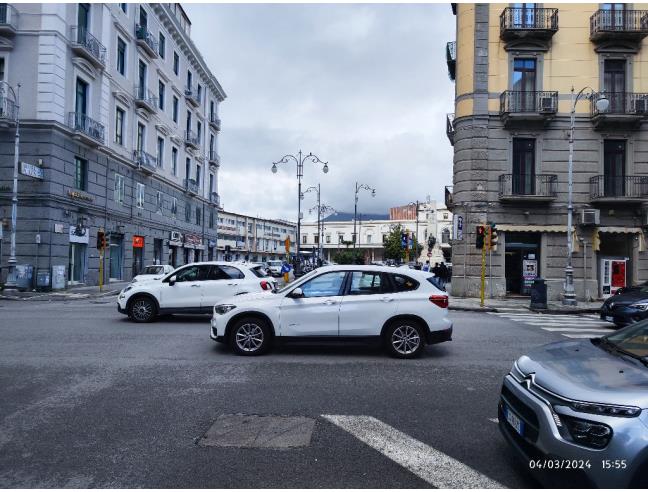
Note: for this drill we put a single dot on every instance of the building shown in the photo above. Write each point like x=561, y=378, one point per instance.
x=120, y=111
x=514, y=67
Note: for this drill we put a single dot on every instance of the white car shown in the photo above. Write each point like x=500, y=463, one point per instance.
x=403, y=309
x=193, y=288
x=275, y=267
x=153, y=272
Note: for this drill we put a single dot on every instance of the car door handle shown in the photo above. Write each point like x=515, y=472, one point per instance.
x=387, y=299
x=195, y=285
x=329, y=302
x=232, y=284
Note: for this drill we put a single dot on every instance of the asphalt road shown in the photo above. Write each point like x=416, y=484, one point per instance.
x=90, y=399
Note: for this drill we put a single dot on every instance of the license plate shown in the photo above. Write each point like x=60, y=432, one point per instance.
x=514, y=421
x=610, y=319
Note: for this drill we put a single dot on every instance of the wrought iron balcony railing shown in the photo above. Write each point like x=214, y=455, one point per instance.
x=145, y=161
x=8, y=17
x=145, y=97
x=451, y=58
x=630, y=103
x=82, y=38
x=214, y=198
x=619, y=187
x=543, y=102
x=450, y=129
x=82, y=123
x=192, y=139
x=146, y=40
x=214, y=121
x=192, y=95
x=191, y=185
x=8, y=109
x=528, y=19
x=528, y=185
x=618, y=22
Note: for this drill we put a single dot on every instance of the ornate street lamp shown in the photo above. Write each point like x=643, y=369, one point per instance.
x=359, y=187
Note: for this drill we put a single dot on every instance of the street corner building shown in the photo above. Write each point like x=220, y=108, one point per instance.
x=118, y=118
x=519, y=69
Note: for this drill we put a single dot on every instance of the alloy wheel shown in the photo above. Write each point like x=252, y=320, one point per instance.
x=249, y=337
x=405, y=340
x=142, y=310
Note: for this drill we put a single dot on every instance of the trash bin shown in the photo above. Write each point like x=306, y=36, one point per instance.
x=539, y=294
x=24, y=277
x=58, y=277
x=43, y=280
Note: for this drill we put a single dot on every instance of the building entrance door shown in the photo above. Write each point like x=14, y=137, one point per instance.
x=521, y=262
x=77, y=262
x=116, y=256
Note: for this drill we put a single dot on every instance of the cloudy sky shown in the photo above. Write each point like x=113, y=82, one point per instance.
x=364, y=87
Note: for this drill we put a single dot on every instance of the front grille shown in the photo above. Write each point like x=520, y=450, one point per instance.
x=532, y=425
x=530, y=451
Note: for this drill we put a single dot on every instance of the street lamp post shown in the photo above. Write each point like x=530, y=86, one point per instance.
x=318, y=190
x=299, y=160
x=602, y=103
x=8, y=106
x=324, y=209
x=416, y=234
x=359, y=187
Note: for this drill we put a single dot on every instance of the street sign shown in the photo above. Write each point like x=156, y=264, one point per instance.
x=138, y=241
x=31, y=170
x=429, y=254
x=458, y=227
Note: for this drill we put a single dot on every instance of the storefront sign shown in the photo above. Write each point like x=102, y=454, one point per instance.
x=79, y=234
x=59, y=228
x=458, y=227
x=77, y=195
x=529, y=271
x=138, y=241
x=211, y=243
x=192, y=239
x=31, y=170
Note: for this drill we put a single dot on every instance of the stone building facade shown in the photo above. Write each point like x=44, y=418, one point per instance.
x=514, y=66
x=120, y=111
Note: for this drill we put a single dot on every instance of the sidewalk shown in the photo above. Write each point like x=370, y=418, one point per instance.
x=494, y=305
x=72, y=293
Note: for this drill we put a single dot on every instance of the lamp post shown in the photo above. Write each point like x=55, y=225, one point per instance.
x=324, y=209
x=316, y=189
x=299, y=160
x=602, y=104
x=416, y=235
x=10, y=103
x=359, y=187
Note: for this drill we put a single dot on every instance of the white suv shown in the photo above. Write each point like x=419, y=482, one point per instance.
x=402, y=308
x=193, y=288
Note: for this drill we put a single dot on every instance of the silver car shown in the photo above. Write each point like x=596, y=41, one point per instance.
x=578, y=410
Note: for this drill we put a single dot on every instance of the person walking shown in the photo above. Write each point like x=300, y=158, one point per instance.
x=443, y=273
x=426, y=267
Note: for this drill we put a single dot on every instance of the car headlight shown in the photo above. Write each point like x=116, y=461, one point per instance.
x=587, y=433
x=126, y=289
x=640, y=305
x=603, y=409
x=223, y=308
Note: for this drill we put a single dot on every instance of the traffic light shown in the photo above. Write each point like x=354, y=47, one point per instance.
x=493, y=236
x=404, y=239
x=487, y=237
x=102, y=243
x=479, y=236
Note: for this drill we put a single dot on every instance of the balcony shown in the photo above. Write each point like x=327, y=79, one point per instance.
x=626, y=109
x=618, y=189
x=146, y=41
x=191, y=186
x=145, y=99
x=86, y=45
x=609, y=28
x=528, y=187
x=450, y=129
x=193, y=96
x=529, y=26
x=214, y=122
x=8, y=110
x=8, y=20
x=214, y=158
x=192, y=140
x=146, y=162
x=214, y=198
x=449, y=203
x=451, y=58
x=527, y=108
x=86, y=129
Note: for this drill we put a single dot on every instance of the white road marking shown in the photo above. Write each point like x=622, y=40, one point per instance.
x=568, y=325
x=583, y=335
x=429, y=464
x=495, y=420
x=592, y=330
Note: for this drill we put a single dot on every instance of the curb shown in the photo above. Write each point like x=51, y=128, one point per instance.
x=63, y=296
x=473, y=309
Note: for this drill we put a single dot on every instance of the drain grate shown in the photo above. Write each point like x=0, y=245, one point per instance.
x=259, y=431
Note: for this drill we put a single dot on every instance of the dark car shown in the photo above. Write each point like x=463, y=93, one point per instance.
x=628, y=306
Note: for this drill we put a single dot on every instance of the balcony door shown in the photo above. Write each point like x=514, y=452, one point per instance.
x=81, y=105
x=613, y=17
x=524, y=15
x=614, y=157
x=614, y=84
x=524, y=85
x=141, y=78
x=523, y=178
x=143, y=18
x=83, y=21
x=140, y=138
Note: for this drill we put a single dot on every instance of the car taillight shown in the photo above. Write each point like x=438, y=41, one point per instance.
x=265, y=285
x=439, y=300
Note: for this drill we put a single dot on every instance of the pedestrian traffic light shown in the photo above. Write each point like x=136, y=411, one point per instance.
x=101, y=240
x=493, y=236
x=479, y=236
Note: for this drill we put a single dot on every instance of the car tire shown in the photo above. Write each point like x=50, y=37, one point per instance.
x=250, y=336
x=142, y=309
x=404, y=339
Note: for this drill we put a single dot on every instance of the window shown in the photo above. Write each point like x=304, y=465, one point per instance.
x=524, y=85
x=369, y=237
x=119, y=126
x=445, y=236
x=326, y=285
x=212, y=112
x=121, y=56
x=187, y=213
x=143, y=18
x=198, y=215
x=403, y=283
x=161, y=45
x=211, y=219
x=304, y=239
x=198, y=169
x=175, y=109
x=81, y=102
x=174, y=161
x=160, y=152
x=141, y=133
x=523, y=178
x=176, y=63
x=614, y=84
x=80, y=174
x=188, y=121
x=199, y=130
x=614, y=158
x=328, y=239
x=141, y=77
x=161, y=89
x=2, y=68
x=120, y=188
x=158, y=202
x=199, y=91
x=445, y=216
x=123, y=7
x=140, y=195
x=194, y=273
x=211, y=184
x=174, y=206
x=367, y=283
x=188, y=168
x=340, y=238
x=189, y=79
x=231, y=272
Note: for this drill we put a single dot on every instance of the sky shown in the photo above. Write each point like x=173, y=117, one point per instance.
x=362, y=86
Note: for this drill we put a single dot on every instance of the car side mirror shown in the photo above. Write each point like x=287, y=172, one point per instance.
x=172, y=280
x=297, y=293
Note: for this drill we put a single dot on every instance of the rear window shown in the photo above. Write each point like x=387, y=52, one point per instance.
x=153, y=270
x=259, y=272
x=403, y=283
x=435, y=281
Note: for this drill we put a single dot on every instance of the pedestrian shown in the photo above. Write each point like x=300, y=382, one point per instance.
x=443, y=271
x=426, y=267
x=435, y=270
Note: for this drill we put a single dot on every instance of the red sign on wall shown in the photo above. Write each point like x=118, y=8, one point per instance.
x=138, y=241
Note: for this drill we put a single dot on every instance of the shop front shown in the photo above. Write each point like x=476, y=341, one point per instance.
x=77, y=265
x=138, y=255
x=521, y=261
x=175, y=244
x=116, y=252
x=617, y=250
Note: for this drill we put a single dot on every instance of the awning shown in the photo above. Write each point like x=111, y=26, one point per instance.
x=531, y=228
x=596, y=240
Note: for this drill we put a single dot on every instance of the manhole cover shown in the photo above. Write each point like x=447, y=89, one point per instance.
x=257, y=431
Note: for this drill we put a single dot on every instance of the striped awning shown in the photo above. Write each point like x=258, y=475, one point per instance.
x=596, y=239
x=531, y=228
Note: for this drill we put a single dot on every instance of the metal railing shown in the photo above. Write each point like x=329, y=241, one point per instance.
x=191, y=138
x=450, y=129
x=83, y=123
x=191, y=185
x=191, y=92
x=214, y=157
x=8, y=108
x=215, y=121
x=143, y=34
x=449, y=197
x=81, y=37
x=214, y=198
x=603, y=186
x=528, y=102
x=536, y=185
x=514, y=18
x=146, y=96
x=451, y=58
x=622, y=103
x=145, y=161
x=621, y=21
x=8, y=15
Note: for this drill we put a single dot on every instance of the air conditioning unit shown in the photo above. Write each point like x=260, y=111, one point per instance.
x=547, y=105
x=641, y=106
x=175, y=236
x=590, y=216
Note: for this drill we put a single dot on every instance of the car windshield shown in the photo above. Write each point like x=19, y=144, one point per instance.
x=153, y=270
x=291, y=285
x=632, y=340
x=275, y=263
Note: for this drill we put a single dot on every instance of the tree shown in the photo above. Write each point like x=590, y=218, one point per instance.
x=392, y=244
x=349, y=257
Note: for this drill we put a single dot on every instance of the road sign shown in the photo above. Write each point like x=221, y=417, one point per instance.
x=31, y=170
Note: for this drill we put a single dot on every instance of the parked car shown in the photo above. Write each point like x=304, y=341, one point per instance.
x=402, y=309
x=582, y=404
x=627, y=307
x=153, y=272
x=193, y=288
x=275, y=267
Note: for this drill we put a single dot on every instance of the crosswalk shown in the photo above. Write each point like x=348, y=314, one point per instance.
x=567, y=325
